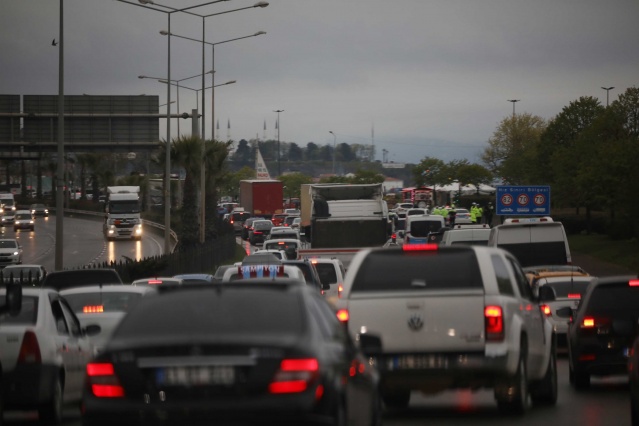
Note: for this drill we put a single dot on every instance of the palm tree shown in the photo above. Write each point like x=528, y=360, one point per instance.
x=186, y=152
x=216, y=170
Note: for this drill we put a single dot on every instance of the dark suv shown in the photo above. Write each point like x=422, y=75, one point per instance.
x=602, y=328
x=61, y=280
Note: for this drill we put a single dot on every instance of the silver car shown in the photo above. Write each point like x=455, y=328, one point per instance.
x=43, y=355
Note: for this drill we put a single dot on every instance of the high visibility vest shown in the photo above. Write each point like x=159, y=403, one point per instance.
x=473, y=215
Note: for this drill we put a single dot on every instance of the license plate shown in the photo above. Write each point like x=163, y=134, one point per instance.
x=417, y=362
x=222, y=375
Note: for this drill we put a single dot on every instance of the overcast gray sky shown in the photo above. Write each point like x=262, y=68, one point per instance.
x=432, y=78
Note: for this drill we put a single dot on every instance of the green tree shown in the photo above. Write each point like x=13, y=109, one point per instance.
x=293, y=183
x=186, y=152
x=311, y=152
x=511, y=153
x=295, y=152
x=428, y=172
x=242, y=154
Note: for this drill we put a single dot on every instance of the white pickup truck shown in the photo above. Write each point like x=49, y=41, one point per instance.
x=434, y=318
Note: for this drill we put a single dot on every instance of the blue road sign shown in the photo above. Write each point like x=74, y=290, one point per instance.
x=524, y=200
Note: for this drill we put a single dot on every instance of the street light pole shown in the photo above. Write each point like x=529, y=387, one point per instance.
x=334, y=143
x=607, y=89
x=150, y=4
x=59, y=195
x=513, y=101
x=279, y=167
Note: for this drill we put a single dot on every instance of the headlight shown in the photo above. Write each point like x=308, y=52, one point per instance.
x=15, y=253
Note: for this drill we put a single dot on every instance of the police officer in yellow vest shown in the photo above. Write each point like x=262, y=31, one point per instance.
x=473, y=213
x=479, y=212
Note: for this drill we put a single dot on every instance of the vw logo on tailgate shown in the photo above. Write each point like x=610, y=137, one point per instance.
x=415, y=322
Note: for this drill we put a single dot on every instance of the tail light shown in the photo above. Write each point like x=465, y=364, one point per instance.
x=545, y=309
x=574, y=296
x=103, y=381
x=420, y=247
x=494, y=323
x=340, y=289
x=588, y=322
x=633, y=283
x=342, y=315
x=96, y=309
x=257, y=232
x=294, y=376
x=30, y=349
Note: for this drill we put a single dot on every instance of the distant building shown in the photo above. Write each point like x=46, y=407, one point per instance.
x=392, y=184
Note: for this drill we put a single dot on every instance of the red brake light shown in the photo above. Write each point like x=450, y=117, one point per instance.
x=294, y=376
x=103, y=381
x=30, y=349
x=633, y=283
x=97, y=309
x=588, y=322
x=420, y=247
x=574, y=296
x=494, y=323
x=546, y=310
x=343, y=315
x=340, y=289
x=155, y=281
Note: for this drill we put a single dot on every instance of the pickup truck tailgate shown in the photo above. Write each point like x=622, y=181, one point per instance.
x=425, y=321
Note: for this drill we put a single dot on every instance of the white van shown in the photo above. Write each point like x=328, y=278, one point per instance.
x=466, y=234
x=419, y=227
x=7, y=202
x=533, y=241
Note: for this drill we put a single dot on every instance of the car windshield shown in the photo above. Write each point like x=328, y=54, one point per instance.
x=8, y=244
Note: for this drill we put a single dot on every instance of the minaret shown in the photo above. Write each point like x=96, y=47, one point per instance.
x=372, y=155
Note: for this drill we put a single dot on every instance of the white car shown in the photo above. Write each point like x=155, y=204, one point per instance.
x=104, y=306
x=331, y=273
x=290, y=245
x=28, y=275
x=43, y=355
x=10, y=252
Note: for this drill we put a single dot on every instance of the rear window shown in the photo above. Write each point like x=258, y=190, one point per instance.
x=223, y=312
x=28, y=312
x=281, y=245
x=421, y=228
x=563, y=289
x=471, y=242
x=239, y=217
x=104, y=302
x=326, y=272
x=81, y=277
x=543, y=253
x=617, y=300
x=394, y=270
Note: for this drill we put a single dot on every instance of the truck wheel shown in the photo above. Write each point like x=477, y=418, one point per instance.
x=396, y=398
x=545, y=391
x=512, y=394
x=50, y=412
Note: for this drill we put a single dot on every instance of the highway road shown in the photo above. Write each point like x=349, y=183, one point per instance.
x=607, y=402
x=83, y=244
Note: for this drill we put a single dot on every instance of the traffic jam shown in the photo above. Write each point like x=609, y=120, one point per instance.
x=345, y=310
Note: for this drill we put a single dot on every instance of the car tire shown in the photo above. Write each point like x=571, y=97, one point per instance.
x=634, y=406
x=50, y=412
x=545, y=391
x=512, y=394
x=397, y=398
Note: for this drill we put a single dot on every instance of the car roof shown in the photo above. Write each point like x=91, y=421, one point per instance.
x=81, y=277
x=115, y=288
x=158, y=281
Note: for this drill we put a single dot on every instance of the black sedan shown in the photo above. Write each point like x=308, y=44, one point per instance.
x=601, y=330
x=253, y=352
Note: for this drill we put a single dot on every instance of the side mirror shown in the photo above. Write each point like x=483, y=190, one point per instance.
x=370, y=344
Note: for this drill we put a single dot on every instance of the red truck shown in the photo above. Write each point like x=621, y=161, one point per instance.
x=262, y=198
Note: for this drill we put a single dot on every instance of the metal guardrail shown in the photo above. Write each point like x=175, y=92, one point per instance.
x=159, y=229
